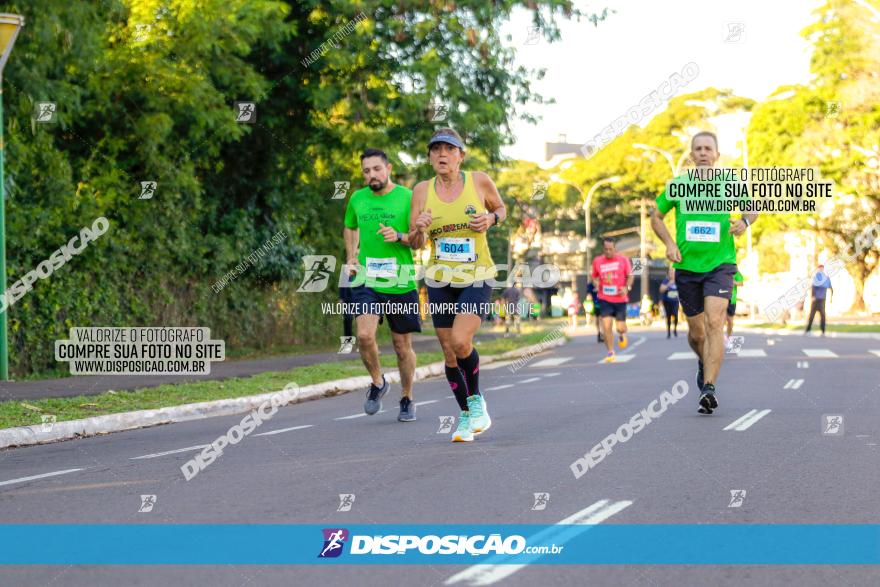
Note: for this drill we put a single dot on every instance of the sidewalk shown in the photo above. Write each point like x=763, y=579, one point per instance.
x=95, y=384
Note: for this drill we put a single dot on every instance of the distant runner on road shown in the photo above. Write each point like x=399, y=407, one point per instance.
x=669, y=293
x=613, y=279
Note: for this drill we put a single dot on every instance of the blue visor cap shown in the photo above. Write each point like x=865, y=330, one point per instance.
x=446, y=139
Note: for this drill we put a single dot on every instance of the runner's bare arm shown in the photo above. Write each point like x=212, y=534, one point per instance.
x=737, y=227
x=672, y=252
x=419, y=219
x=352, y=240
x=491, y=199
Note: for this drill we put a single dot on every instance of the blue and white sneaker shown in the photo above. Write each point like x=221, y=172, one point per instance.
x=463, y=432
x=480, y=420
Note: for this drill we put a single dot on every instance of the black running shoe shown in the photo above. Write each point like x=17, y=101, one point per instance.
x=708, y=400
x=700, y=375
x=407, y=410
x=374, y=397
x=703, y=410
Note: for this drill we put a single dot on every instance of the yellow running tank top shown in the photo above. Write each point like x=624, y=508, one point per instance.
x=459, y=255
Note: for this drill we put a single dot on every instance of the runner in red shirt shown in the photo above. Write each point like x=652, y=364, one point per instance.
x=613, y=278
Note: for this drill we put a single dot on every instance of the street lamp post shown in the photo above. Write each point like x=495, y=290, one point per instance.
x=10, y=24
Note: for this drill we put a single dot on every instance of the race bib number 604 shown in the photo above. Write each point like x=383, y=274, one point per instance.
x=455, y=249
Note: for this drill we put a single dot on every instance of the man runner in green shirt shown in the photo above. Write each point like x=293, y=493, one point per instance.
x=704, y=257
x=377, y=244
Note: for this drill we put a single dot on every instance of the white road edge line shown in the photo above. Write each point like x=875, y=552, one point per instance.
x=428, y=401
x=43, y=476
x=489, y=573
x=530, y=380
x=170, y=452
x=271, y=432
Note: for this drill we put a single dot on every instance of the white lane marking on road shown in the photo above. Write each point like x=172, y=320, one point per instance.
x=530, y=380
x=495, y=570
x=450, y=397
x=552, y=362
x=794, y=384
x=498, y=387
x=682, y=356
x=752, y=353
x=361, y=415
x=170, y=452
x=428, y=401
x=619, y=359
x=637, y=343
x=271, y=432
x=42, y=476
x=803, y=365
x=747, y=420
x=551, y=374
x=820, y=353
x=495, y=365
x=875, y=353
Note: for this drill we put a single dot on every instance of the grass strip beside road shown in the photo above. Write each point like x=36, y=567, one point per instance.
x=26, y=413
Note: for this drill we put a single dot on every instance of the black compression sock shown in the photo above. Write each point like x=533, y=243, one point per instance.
x=470, y=366
x=458, y=386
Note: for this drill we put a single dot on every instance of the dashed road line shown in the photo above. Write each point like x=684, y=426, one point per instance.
x=794, y=384
x=746, y=421
x=361, y=415
x=530, y=380
x=552, y=362
x=875, y=353
x=42, y=476
x=495, y=570
x=271, y=432
x=680, y=356
x=428, y=401
x=170, y=452
x=751, y=353
x=505, y=386
x=619, y=359
x=551, y=374
x=820, y=353
x=803, y=364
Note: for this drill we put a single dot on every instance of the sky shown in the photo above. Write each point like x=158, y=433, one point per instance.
x=597, y=73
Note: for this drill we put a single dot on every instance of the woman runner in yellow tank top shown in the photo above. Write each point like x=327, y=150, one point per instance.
x=452, y=212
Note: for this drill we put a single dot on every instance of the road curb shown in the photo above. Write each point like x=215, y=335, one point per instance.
x=58, y=431
x=800, y=333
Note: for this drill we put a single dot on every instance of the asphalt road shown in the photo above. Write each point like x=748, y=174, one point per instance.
x=765, y=438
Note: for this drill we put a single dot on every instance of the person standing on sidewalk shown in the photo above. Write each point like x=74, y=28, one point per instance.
x=377, y=242
x=821, y=285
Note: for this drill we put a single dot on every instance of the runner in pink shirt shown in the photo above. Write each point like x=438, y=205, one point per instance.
x=613, y=278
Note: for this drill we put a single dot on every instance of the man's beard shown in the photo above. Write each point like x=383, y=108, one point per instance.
x=380, y=187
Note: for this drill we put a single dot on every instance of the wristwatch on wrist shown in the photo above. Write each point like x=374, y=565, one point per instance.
x=399, y=236
x=497, y=219
x=746, y=220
